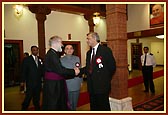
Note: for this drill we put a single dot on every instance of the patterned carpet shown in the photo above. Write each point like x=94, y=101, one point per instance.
x=154, y=104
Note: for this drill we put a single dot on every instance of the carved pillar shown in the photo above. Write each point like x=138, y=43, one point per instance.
x=89, y=18
x=41, y=11
x=117, y=41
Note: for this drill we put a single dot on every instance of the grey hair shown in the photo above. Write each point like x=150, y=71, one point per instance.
x=54, y=39
x=94, y=35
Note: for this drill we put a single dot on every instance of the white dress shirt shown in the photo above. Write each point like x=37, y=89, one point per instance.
x=95, y=49
x=150, y=60
x=34, y=57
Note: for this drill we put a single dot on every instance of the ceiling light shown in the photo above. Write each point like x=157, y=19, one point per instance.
x=96, y=18
x=160, y=36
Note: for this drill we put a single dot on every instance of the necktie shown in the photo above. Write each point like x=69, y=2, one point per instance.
x=91, y=61
x=36, y=60
x=145, y=60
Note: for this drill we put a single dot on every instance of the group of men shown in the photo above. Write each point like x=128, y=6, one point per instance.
x=62, y=76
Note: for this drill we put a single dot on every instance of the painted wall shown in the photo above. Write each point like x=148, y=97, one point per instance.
x=57, y=23
x=158, y=51
x=23, y=28
x=138, y=17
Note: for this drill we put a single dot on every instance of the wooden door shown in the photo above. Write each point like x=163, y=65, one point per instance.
x=13, y=55
x=136, y=52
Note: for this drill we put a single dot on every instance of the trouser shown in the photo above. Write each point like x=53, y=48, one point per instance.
x=32, y=93
x=99, y=102
x=147, y=72
x=73, y=97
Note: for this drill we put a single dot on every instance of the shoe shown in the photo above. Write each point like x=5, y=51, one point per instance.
x=146, y=91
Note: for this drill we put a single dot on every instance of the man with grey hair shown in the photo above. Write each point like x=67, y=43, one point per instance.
x=54, y=89
x=100, y=66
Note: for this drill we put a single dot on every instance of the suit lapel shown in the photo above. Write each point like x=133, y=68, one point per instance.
x=34, y=61
x=96, y=56
x=98, y=52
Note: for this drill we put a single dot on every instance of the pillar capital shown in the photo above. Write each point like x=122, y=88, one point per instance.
x=40, y=12
x=39, y=9
x=89, y=18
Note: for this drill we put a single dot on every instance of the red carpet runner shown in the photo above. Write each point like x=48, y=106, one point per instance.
x=137, y=80
x=84, y=97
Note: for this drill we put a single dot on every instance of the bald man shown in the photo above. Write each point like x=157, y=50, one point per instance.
x=158, y=15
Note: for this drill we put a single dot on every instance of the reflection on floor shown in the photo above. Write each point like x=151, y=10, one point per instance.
x=13, y=98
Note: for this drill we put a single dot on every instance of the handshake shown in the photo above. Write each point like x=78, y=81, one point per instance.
x=77, y=71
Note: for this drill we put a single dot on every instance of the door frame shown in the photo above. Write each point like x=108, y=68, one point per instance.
x=20, y=43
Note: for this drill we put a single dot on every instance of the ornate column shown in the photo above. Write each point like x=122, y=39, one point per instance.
x=117, y=41
x=89, y=18
x=41, y=11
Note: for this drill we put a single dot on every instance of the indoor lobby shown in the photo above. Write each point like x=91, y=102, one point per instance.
x=125, y=28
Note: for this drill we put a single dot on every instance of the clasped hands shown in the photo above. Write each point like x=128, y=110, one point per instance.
x=77, y=71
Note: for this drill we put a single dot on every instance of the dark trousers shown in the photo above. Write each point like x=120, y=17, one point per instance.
x=54, y=95
x=32, y=93
x=99, y=102
x=147, y=72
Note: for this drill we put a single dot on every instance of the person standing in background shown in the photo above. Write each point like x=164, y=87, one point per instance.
x=26, y=54
x=54, y=88
x=31, y=75
x=70, y=61
x=148, y=62
x=100, y=66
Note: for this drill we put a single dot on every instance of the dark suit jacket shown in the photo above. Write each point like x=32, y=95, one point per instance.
x=30, y=73
x=100, y=79
x=53, y=64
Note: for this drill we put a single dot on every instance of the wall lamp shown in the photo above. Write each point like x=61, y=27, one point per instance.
x=96, y=18
x=18, y=10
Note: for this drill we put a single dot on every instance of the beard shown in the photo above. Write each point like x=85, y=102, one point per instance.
x=59, y=49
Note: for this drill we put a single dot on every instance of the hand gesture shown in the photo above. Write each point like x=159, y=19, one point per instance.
x=77, y=71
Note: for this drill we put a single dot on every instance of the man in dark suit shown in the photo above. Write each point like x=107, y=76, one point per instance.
x=100, y=66
x=31, y=75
